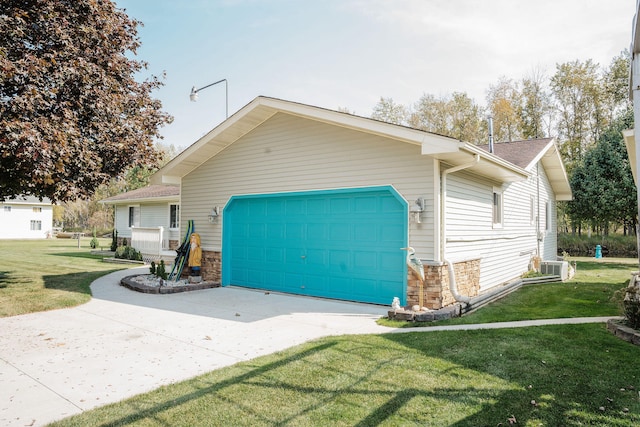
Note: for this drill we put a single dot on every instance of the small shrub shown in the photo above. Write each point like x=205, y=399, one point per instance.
x=94, y=241
x=161, y=271
x=127, y=252
x=631, y=305
x=114, y=240
x=532, y=273
x=152, y=269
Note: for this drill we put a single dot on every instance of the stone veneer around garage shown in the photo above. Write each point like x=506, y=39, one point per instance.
x=436, y=288
x=211, y=266
x=436, y=285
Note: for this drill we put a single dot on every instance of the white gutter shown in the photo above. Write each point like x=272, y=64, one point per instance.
x=453, y=287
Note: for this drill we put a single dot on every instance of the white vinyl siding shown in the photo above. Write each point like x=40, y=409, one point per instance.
x=150, y=214
x=505, y=252
x=287, y=153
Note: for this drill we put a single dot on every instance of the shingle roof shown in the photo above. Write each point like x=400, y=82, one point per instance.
x=520, y=153
x=150, y=192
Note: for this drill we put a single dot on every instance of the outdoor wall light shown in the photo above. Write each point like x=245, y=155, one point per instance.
x=416, y=209
x=215, y=213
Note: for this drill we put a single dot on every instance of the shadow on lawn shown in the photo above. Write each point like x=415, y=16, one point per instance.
x=558, y=391
x=463, y=371
x=213, y=388
x=4, y=279
x=82, y=254
x=73, y=282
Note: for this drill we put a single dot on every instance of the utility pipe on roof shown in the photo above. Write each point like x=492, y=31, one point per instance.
x=453, y=287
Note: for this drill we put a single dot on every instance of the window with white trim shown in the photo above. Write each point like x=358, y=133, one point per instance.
x=174, y=216
x=134, y=216
x=7, y=209
x=36, y=225
x=498, y=207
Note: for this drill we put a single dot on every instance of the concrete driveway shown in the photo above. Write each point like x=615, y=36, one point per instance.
x=122, y=343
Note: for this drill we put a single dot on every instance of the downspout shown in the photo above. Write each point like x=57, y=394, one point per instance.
x=453, y=287
x=538, y=210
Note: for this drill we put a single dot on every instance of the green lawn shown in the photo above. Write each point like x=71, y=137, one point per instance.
x=593, y=292
x=543, y=376
x=570, y=375
x=39, y=275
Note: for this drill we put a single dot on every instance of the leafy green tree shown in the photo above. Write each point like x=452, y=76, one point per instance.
x=388, y=111
x=455, y=115
x=577, y=92
x=503, y=100
x=535, y=108
x=468, y=122
x=431, y=114
x=72, y=116
x=616, y=85
x=602, y=184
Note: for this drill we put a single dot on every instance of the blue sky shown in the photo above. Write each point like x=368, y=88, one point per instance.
x=349, y=53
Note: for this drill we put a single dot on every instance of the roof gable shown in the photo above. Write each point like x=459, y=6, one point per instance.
x=449, y=150
x=526, y=154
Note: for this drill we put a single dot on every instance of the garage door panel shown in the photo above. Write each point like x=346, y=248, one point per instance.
x=317, y=232
x=389, y=232
x=340, y=244
x=339, y=232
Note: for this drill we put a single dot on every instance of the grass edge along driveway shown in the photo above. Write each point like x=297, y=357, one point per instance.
x=538, y=376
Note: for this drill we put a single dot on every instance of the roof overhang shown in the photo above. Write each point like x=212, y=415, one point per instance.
x=449, y=150
x=131, y=201
x=554, y=168
x=260, y=110
x=630, y=142
x=490, y=166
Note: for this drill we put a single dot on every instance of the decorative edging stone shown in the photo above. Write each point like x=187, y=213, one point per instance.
x=128, y=282
x=617, y=328
x=444, y=313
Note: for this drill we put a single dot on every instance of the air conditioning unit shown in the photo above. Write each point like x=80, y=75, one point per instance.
x=555, y=268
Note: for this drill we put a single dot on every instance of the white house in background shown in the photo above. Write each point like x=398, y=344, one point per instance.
x=150, y=215
x=295, y=198
x=26, y=218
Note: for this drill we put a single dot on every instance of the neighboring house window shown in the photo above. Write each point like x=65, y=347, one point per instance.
x=174, y=216
x=134, y=216
x=36, y=225
x=498, y=206
x=37, y=210
x=7, y=208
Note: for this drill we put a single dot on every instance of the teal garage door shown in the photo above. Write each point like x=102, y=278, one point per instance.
x=341, y=244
